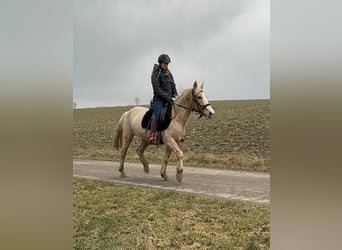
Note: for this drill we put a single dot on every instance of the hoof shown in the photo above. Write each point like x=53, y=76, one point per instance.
x=165, y=177
x=123, y=175
x=147, y=170
x=179, y=175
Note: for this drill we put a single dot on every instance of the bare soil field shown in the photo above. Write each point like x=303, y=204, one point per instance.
x=238, y=137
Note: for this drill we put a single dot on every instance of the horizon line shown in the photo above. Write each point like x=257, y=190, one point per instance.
x=144, y=104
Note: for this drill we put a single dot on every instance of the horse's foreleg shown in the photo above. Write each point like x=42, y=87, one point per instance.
x=140, y=151
x=126, y=143
x=164, y=166
x=174, y=147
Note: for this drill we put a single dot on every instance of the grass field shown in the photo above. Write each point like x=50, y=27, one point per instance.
x=110, y=216
x=238, y=137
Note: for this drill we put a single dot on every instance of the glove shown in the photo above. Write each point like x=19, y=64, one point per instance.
x=168, y=99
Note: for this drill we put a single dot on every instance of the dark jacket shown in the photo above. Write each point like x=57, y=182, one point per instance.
x=163, y=84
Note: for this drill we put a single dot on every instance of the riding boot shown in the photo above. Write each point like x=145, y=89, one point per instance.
x=154, y=125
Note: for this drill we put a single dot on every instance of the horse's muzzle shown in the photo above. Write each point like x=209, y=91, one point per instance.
x=208, y=112
x=211, y=111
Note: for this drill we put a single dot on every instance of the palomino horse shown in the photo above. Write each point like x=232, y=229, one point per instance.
x=192, y=99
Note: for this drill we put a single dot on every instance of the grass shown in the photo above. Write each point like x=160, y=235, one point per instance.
x=238, y=137
x=111, y=216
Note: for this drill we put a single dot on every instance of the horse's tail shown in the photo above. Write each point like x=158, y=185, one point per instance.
x=117, y=139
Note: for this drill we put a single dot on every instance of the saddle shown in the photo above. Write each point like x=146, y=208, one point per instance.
x=164, y=120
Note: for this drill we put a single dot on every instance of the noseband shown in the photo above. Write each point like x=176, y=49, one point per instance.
x=200, y=108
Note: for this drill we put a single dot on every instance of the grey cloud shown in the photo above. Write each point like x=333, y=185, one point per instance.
x=117, y=42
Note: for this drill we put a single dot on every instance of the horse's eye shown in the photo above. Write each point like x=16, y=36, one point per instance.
x=199, y=97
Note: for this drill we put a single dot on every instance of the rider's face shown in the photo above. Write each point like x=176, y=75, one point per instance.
x=164, y=66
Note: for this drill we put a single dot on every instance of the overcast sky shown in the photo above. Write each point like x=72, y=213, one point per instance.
x=223, y=43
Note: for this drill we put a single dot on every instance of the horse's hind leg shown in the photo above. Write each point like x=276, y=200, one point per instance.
x=140, y=151
x=126, y=142
x=164, y=166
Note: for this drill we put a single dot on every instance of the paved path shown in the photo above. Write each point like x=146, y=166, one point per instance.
x=251, y=187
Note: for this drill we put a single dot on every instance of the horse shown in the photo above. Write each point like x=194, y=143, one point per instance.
x=191, y=99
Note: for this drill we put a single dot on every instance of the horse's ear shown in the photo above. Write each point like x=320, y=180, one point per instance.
x=195, y=85
x=202, y=85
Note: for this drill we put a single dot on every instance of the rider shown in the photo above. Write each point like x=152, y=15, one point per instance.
x=164, y=89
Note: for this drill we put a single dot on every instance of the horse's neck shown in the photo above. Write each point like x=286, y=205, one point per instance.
x=182, y=114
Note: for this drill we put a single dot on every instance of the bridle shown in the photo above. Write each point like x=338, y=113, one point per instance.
x=200, y=108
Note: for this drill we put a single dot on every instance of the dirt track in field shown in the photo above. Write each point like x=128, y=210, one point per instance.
x=245, y=186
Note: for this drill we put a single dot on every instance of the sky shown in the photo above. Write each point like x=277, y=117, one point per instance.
x=224, y=44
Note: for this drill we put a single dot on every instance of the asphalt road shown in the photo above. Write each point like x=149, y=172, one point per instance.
x=245, y=186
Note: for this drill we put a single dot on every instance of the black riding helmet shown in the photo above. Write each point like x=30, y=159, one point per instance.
x=163, y=58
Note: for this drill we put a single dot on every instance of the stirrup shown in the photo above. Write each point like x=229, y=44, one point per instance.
x=153, y=138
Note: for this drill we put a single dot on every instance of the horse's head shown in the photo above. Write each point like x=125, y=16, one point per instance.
x=202, y=104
